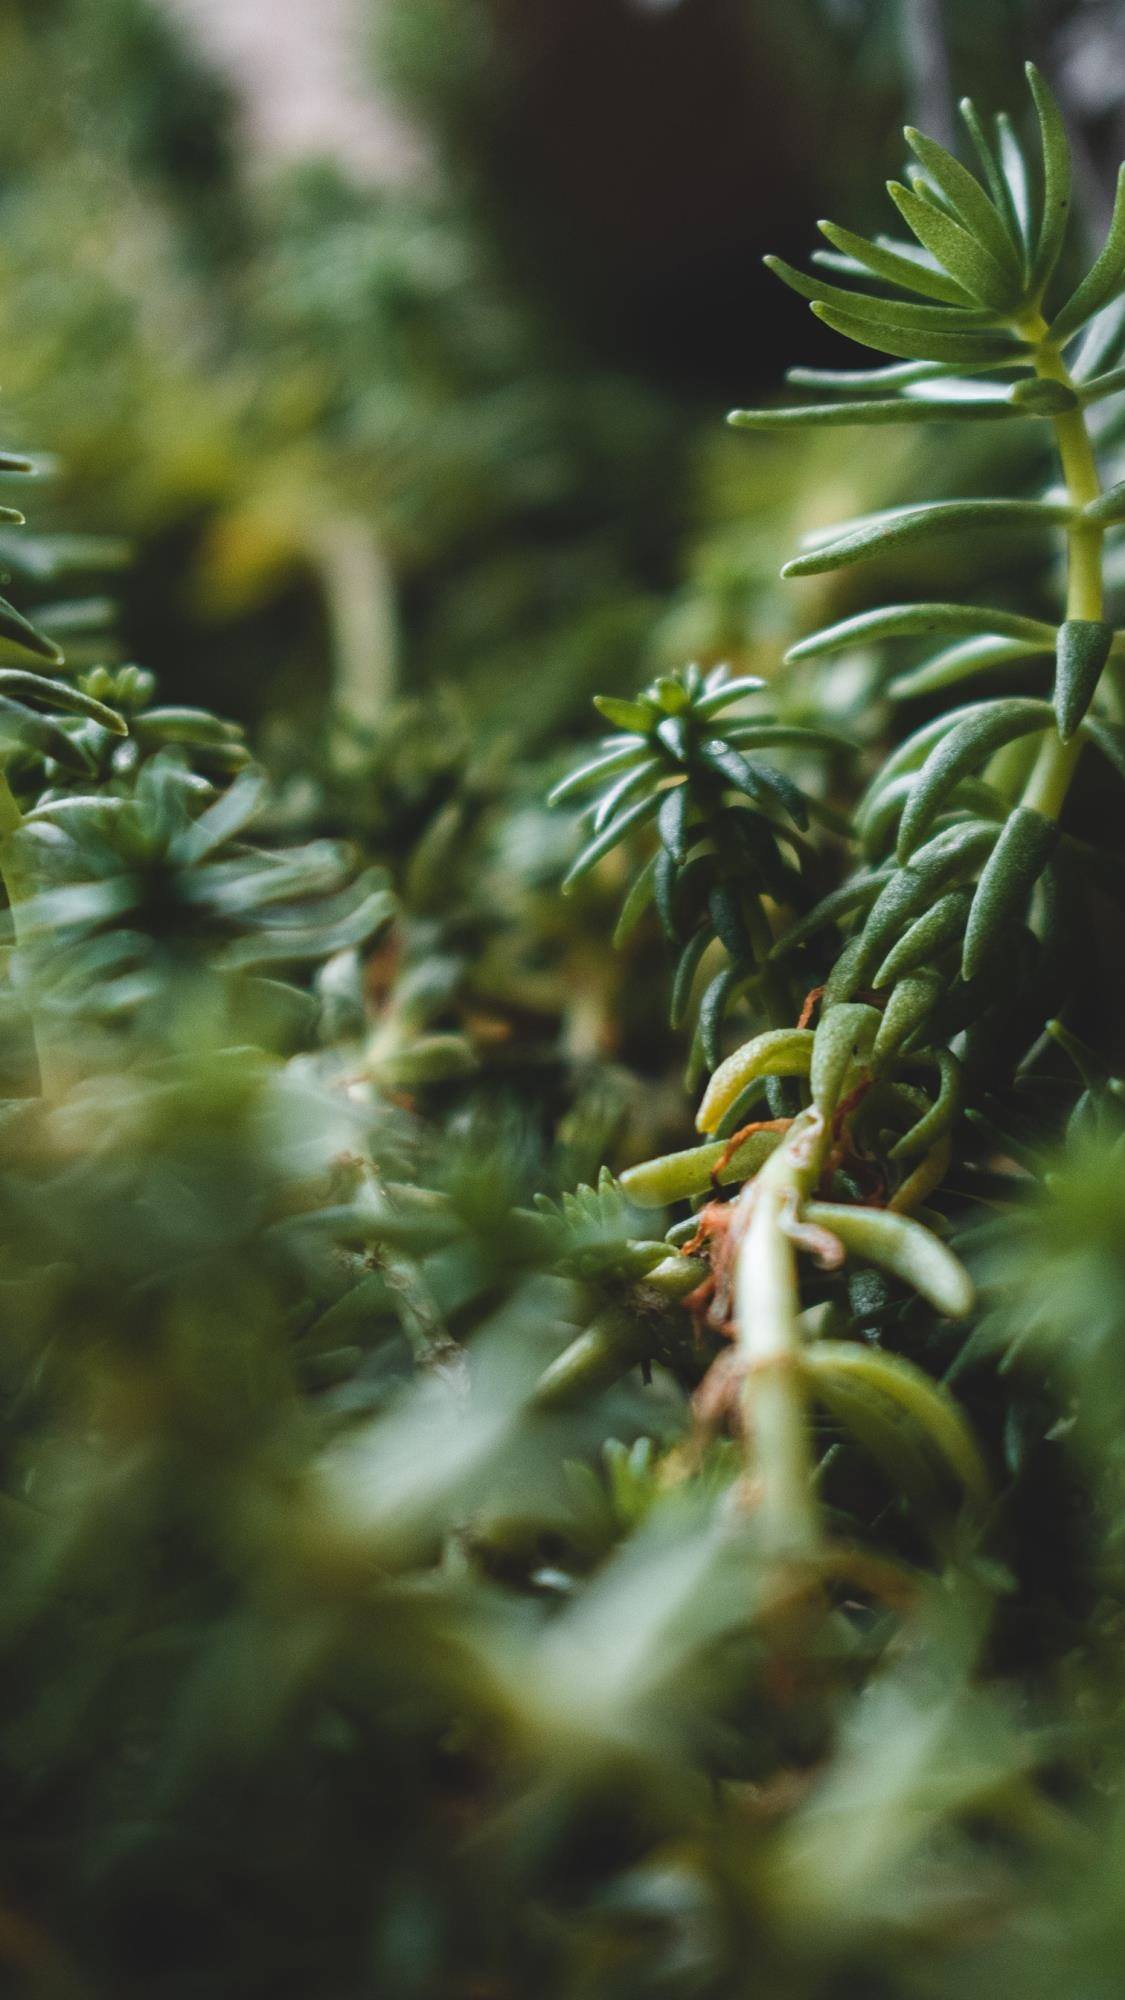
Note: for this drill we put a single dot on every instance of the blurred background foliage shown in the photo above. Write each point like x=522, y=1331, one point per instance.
x=330, y=1668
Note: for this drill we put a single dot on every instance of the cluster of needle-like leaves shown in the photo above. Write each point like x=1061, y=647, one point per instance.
x=729, y=825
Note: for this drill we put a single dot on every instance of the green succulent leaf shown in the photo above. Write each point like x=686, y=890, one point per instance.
x=876, y=312
x=640, y=895
x=19, y=632
x=777, y=1052
x=906, y=271
x=866, y=381
x=40, y=692
x=1056, y=180
x=1083, y=650
x=970, y=203
x=934, y=1271
x=961, y=662
x=1097, y=387
x=1108, y=508
x=712, y=1012
x=966, y=350
x=727, y=691
x=978, y=733
x=994, y=282
x=912, y=1001
x=926, y=938
x=952, y=854
x=608, y=838
x=687, y=965
x=1018, y=859
x=942, y=1112
x=906, y=525
x=1017, y=180
x=672, y=820
x=621, y=792
x=895, y=410
x=908, y=621
x=678, y=1176
x=605, y=766
x=843, y=1038
x=25, y=728
x=988, y=155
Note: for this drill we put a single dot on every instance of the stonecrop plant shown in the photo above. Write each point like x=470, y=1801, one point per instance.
x=703, y=1582
x=952, y=913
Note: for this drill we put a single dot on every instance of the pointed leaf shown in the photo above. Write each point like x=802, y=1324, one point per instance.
x=672, y=820
x=969, y=201
x=605, y=766
x=27, y=729
x=712, y=1011
x=1100, y=386
x=1007, y=879
x=942, y=1112
x=980, y=731
x=721, y=697
x=993, y=172
x=995, y=284
x=1083, y=650
x=909, y=1007
x=934, y=1271
x=679, y=1176
x=926, y=938
x=958, y=663
x=950, y=855
x=906, y=621
x=1014, y=166
x=915, y=524
x=896, y=269
x=844, y=1036
x=621, y=791
x=632, y=715
x=779, y=735
x=966, y=350
x=897, y=410
x=228, y=817
x=636, y=903
x=1056, y=179
x=686, y=968
x=865, y=381
x=901, y=313
x=777, y=1052
x=724, y=907
x=609, y=837
x=665, y=881
x=37, y=689
x=18, y=632
x=757, y=781
x=853, y=895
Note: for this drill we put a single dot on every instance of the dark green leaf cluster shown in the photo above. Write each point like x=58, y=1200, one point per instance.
x=119, y=896
x=730, y=826
x=980, y=268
